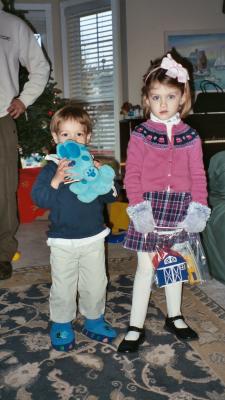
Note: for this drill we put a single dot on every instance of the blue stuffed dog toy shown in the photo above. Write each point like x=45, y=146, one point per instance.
x=90, y=181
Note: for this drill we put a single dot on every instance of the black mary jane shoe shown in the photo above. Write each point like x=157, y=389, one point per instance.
x=131, y=346
x=5, y=270
x=185, y=334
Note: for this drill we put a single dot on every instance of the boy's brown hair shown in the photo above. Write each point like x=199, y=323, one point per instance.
x=71, y=112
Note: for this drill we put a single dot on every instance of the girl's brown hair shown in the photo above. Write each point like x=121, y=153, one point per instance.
x=155, y=73
x=71, y=112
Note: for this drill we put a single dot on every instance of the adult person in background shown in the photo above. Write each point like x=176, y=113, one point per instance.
x=214, y=234
x=18, y=45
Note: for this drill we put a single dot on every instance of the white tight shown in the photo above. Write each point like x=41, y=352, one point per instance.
x=142, y=291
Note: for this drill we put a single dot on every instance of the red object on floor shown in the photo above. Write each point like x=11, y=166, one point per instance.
x=28, y=211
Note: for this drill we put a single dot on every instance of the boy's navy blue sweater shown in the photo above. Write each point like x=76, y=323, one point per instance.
x=69, y=217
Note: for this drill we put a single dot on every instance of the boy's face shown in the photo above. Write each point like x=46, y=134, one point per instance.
x=71, y=130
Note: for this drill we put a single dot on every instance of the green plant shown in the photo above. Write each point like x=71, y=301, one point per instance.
x=33, y=126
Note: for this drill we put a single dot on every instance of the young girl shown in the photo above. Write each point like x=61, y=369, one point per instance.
x=166, y=187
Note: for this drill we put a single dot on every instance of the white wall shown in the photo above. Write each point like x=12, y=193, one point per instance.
x=147, y=20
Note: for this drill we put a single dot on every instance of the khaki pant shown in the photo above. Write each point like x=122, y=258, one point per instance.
x=77, y=271
x=8, y=188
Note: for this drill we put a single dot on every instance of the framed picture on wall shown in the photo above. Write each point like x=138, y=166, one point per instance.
x=204, y=49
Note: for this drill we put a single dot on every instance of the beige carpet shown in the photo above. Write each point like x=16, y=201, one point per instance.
x=208, y=319
x=200, y=311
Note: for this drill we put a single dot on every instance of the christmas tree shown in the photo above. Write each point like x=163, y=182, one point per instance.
x=33, y=126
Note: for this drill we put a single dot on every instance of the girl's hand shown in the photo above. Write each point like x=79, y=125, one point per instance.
x=142, y=217
x=196, y=218
x=61, y=173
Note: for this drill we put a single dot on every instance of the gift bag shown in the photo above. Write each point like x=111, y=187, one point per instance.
x=194, y=255
x=209, y=101
x=184, y=262
x=194, y=275
x=170, y=267
x=199, y=260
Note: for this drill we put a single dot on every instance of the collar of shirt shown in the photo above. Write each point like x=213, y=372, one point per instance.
x=174, y=120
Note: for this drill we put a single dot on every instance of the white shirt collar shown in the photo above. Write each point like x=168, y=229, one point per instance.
x=174, y=120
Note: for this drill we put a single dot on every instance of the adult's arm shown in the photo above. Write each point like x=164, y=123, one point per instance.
x=32, y=57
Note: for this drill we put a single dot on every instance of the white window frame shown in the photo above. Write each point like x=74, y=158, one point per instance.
x=47, y=8
x=117, y=61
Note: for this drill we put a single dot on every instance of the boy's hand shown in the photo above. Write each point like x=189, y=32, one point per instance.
x=61, y=173
x=97, y=163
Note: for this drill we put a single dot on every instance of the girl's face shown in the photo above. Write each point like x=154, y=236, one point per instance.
x=164, y=101
x=71, y=130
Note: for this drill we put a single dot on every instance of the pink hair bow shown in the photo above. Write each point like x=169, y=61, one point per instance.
x=174, y=70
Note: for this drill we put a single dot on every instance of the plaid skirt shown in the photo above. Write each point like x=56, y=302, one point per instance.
x=169, y=208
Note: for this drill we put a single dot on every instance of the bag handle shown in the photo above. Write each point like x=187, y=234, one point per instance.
x=205, y=83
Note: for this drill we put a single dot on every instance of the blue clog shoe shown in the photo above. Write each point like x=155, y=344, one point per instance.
x=62, y=336
x=98, y=329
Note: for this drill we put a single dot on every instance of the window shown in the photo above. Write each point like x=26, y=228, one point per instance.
x=89, y=67
x=38, y=37
x=39, y=16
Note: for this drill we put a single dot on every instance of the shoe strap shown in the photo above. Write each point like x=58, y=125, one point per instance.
x=135, y=329
x=176, y=318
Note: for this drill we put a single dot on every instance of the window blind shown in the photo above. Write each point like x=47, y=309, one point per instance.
x=91, y=68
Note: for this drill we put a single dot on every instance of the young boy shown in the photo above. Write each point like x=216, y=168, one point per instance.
x=76, y=238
